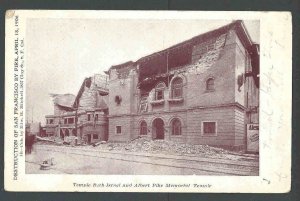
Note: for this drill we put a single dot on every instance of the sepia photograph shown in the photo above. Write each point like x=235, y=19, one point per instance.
x=147, y=101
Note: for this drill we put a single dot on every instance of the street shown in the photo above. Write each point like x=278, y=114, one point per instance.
x=81, y=160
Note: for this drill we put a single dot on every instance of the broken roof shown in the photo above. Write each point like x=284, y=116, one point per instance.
x=180, y=54
x=87, y=82
x=237, y=25
x=63, y=100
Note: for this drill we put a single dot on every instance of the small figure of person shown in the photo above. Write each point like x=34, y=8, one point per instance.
x=29, y=141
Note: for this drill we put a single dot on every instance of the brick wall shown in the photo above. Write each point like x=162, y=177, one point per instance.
x=100, y=130
x=222, y=71
x=240, y=128
x=126, y=128
x=166, y=117
x=229, y=120
x=224, y=118
x=88, y=98
x=127, y=90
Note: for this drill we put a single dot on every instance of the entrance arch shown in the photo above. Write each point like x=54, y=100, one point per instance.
x=158, y=130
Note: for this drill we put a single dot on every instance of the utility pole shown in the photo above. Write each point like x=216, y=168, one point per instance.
x=76, y=118
x=168, y=68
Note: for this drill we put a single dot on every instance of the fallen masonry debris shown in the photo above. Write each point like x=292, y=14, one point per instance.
x=164, y=147
x=145, y=145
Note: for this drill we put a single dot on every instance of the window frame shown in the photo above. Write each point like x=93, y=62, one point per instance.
x=161, y=90
x=209, y=134
x=116, y=131
x=50, y=121
x=176, y=86
x=208, y=85
x=173, y=127
x=90, y=116
x=96, y=117
x=95, y=138
x=143, y=104
x=145, y=128
x=71, y=120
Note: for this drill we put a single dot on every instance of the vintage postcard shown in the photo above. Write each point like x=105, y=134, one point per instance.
x=148, y=101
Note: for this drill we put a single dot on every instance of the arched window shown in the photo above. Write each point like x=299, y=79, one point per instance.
x=176, y=127
x=210, y=84
x=177, y=85
x=159, y=91
x=143, y=128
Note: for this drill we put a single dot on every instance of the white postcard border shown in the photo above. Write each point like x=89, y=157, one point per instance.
x=275, y=111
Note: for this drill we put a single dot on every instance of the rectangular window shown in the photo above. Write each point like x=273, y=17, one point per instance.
x=159, y=95
x=51, y=121
x=70, y=121
x=96, y=117
x=209, y=128
x=89, y=117
x=118, y=129
x=95, y=136
x=65, y=121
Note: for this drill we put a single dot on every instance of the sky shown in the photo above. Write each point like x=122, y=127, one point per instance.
x=60, y=53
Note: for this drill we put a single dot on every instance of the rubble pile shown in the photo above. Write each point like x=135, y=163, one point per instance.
x=49, y=140
x=163, y=146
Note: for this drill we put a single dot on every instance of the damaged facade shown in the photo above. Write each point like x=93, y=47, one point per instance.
x=83, y=116
x=201, y=91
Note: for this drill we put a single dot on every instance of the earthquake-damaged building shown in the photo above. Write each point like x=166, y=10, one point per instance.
x=201, y=91
x=83, y=116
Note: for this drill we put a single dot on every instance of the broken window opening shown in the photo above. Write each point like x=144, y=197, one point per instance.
x=144, y=104
x=159, y=91
x=177, y=86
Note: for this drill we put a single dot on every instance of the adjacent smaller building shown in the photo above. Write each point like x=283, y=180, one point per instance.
x=83, y=115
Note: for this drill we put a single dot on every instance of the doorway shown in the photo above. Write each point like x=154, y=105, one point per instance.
x=89, y=136
x=158, y=130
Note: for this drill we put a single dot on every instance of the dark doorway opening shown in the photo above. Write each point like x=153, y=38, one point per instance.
x=158, y=130
x=89, y=138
